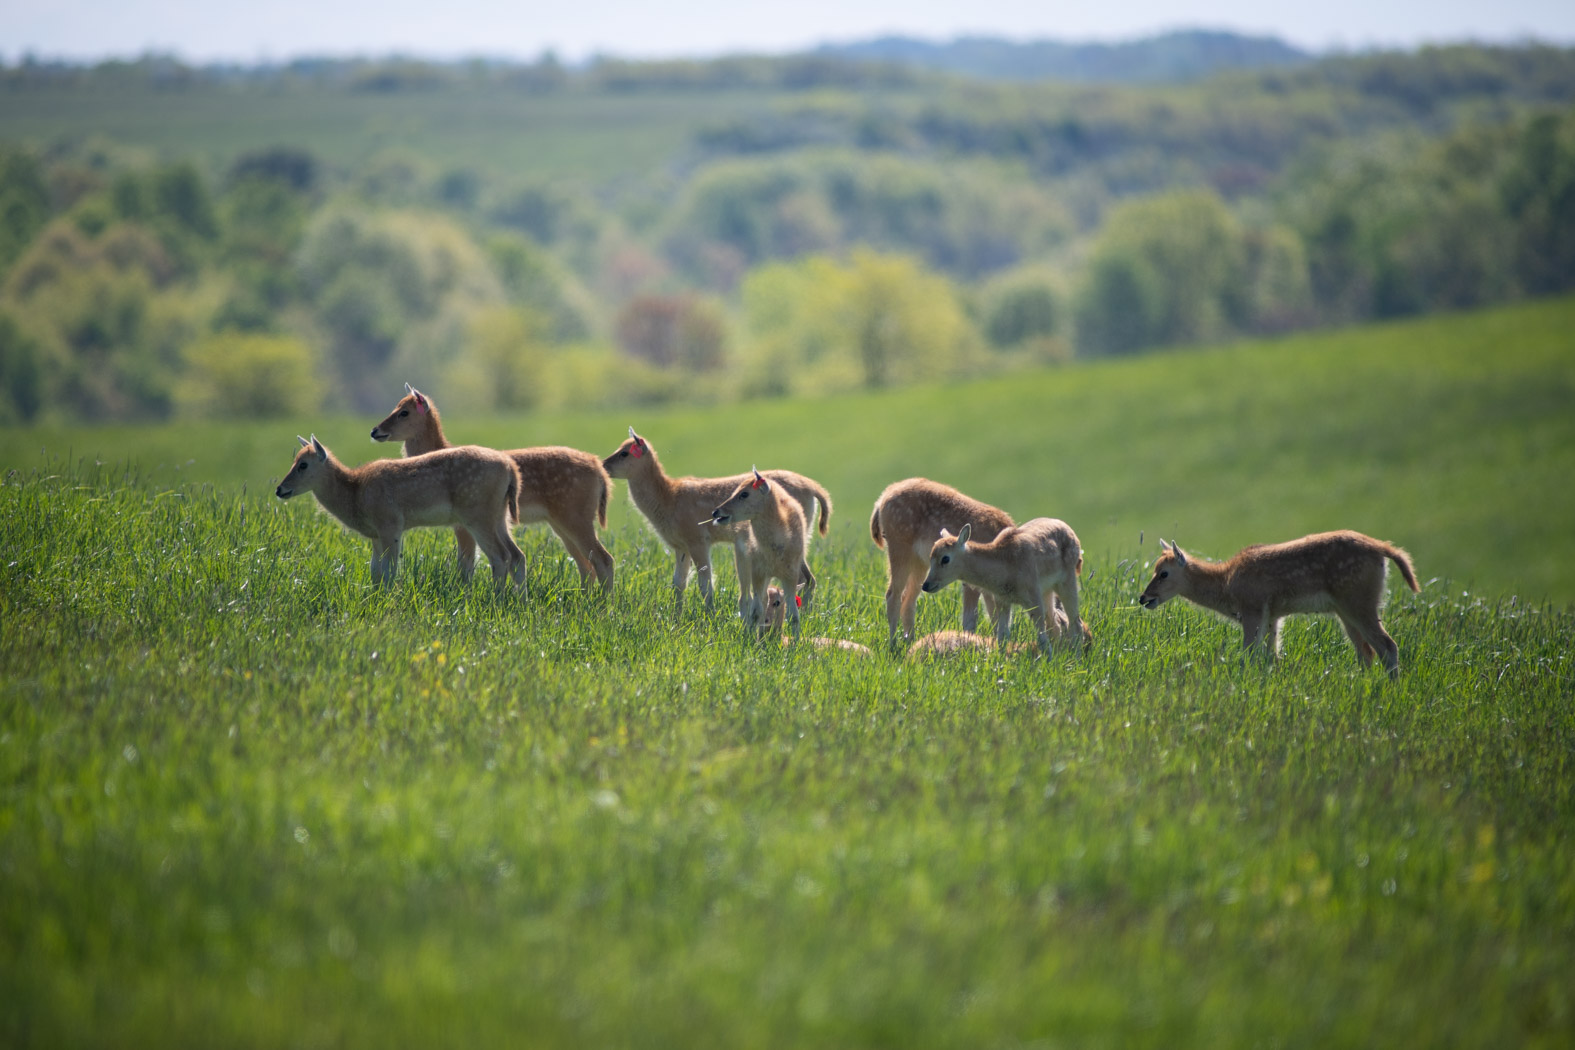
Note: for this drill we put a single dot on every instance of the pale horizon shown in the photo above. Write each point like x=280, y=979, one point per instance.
x=95, y=30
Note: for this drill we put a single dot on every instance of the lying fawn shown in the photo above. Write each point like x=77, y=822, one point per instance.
x=777, y=539
x=564, y=487
x=1031, y=565
x=469, y=487
x=776, y=612
x=674, y=506
x=1328, y=572
x=907, y=518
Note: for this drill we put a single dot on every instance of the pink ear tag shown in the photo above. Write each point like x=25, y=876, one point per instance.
x=421, y=404
x=637, y=450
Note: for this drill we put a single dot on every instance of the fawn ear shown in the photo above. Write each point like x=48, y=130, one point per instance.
x=409, y=389
x=759, y=482
x=964, y=532
x=304, y=443
x=1181, y=559
x=322, y=453
x=946, y=533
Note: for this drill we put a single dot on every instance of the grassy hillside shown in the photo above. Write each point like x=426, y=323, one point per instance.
x=501, y=132
x=1451, y=436
x=245, y=800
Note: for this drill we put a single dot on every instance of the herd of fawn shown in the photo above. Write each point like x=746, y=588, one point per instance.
x=927, y=529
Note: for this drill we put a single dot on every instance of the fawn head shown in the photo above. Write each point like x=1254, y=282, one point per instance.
x=1170, y=573
x=407, y=419
x=776, y=607
x=944, y=566
x=747, y=500
x=309, y=465
x=632, y=452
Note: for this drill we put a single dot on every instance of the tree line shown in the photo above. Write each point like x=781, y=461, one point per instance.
x=840, y=241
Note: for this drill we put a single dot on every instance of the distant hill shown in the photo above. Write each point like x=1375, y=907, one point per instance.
x=1183, y=55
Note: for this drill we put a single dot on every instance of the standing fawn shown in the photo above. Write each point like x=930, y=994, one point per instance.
x=777, y=541
x=1328, y=572
x=1031, y=565
x=469, y=487
x=674, y=506
x=564, y=487
x=776, y=612
x=907, y=518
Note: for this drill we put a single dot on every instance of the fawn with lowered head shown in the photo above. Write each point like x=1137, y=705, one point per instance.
x=675, y=506
x=907, y=518
x=777, y=541
x=564, y=487
x=469, y=487
x=1328, y=572
x=1031, y=565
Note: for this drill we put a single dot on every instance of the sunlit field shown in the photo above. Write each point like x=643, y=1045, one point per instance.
x=250, y=800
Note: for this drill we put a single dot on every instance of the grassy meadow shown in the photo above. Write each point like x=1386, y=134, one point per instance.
x=250, y=801
x=572, y=135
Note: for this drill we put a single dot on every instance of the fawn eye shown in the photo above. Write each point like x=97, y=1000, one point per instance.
x=946, y=559
x=404, y=413
x=1164, y=574
x=744, y=494
x=302, y=466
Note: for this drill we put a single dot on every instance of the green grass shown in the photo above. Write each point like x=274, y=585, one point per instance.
x=573, y=134
x=246, y=800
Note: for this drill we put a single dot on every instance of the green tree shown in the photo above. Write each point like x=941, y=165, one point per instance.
x=817, y=325
x=1165, y=270
x=24, y=204
x=503, y=360
x=243, y=375
x=21, y=373
x=1022, y=309
x=1538, y=191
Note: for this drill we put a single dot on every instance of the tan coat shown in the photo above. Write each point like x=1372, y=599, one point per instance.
x=907, y=520
x=1031, y=565
x=1328, y=572
x=473, y=488
x=564, y=487
x=674, y=507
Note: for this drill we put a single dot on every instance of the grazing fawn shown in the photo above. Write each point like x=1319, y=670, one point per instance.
x=1328, y=572
x=907, y=518
x=777, y=541
x=1031, y=565
x=564, y=487
x=776, y=612
x=674, y=506
x=469, y=487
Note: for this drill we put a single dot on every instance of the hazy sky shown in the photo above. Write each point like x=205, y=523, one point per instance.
x=274, y=29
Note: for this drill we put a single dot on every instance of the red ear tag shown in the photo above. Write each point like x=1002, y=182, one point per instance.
x=798, y=600
x=756, y=483
x=637, y=450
